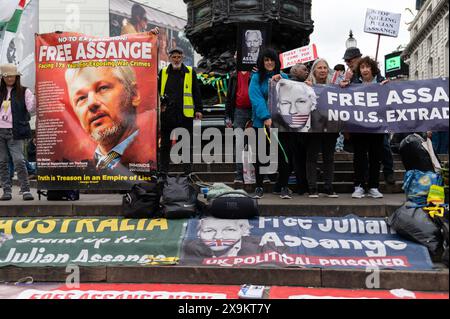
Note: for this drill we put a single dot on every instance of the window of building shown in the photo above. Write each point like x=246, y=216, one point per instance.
x=446, y=60
x=429, y=10
x=416, y=75
x=438, y=32
x=430, y=42
x=446, y=25
x=430, y=68
x=438, y=67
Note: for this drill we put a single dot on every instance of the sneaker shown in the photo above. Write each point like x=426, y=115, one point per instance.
x=259, y=193
x=389, y=178
x=238, y=180
x=286, y=193
x=313, y=195
x=331, y=194
x=27, y=196
x=266, y=180
x=375, y=193
x=358, y=193
x=277, y=191
x=6, y=196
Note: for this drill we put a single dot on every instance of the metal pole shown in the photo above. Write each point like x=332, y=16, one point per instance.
x=378, y=46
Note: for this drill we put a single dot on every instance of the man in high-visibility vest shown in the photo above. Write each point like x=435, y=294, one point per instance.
x=181, y=104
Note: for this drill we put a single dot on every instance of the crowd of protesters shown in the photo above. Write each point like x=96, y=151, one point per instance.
x=247, y=104
x=300, y=151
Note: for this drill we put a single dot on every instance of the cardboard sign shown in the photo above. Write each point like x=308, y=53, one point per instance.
x=299, y=55
x=382, y=22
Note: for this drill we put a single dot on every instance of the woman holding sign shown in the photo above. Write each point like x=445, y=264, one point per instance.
x=268, y=69
x=320, y=74
x=368, y=147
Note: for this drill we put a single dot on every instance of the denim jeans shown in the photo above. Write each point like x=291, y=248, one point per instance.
x=15, y=148
x=241, y=117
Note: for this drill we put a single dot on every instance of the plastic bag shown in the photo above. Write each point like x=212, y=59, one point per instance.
x=417, y=185
x=416, y=225
x=248, y=167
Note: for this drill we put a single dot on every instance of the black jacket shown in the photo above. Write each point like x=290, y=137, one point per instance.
x=230, y=104
x=174, y=90
x=21, y=116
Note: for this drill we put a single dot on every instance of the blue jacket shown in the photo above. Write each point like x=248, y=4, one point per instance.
x=259, y=94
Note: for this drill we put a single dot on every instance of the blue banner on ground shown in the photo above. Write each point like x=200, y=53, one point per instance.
x=396, y=107
x=347, y=242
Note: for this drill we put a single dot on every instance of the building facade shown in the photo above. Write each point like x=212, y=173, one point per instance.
x=427, y=52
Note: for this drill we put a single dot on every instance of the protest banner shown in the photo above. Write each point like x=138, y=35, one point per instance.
x=96, y=110
x=89, y=242
x=348, y=242
x=396, y=107
x=300, y=55
x=132, y=291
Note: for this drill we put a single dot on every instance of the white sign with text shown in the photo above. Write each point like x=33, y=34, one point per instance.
x=382, y=22
x=299, y=55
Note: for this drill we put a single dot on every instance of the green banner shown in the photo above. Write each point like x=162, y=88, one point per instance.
x=90, y=242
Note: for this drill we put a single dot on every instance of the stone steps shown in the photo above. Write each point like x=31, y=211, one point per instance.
x=271, y=205
x=436, y=280
x=231, y=167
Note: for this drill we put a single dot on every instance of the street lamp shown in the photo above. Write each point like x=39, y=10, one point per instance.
x=351, y=41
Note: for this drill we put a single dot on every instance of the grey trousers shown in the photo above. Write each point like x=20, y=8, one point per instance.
x=8, y=145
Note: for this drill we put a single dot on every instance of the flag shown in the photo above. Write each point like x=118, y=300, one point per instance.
x=8, y=48
x=7, y=11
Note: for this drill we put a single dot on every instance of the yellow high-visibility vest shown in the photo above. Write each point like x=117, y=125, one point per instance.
x=188, y=99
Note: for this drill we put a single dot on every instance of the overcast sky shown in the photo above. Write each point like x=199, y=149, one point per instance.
x=333, y=20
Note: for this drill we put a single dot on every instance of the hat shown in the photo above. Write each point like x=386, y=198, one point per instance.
x=8, y=70
x=351, y=53
x=176, y=49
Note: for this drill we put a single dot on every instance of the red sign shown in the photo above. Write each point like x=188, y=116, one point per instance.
x=329, y=293
x=300, y=55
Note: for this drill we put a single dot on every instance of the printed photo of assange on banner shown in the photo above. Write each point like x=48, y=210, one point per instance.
x=96, y=114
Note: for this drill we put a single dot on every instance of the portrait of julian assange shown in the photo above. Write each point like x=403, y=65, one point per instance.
x=105, y=102
x=293, y=106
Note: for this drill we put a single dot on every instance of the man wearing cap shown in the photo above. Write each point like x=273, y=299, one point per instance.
x=181, y=103
x=16, y=103
x=352, y=57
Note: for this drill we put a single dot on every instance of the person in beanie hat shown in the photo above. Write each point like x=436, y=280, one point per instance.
x=16, y=103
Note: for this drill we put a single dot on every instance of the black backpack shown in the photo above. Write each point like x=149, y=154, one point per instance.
x=142, y=201
x=414, y=155
x=179, y=198
x=60, y=195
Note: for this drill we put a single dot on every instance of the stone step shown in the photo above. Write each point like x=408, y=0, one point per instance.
x=231, y=167
x=343, y=176
x=436, y=280
x=339, y=187
x=271, y=205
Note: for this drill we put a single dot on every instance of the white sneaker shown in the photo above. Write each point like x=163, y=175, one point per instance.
x=375, y=193
x=358, y=193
